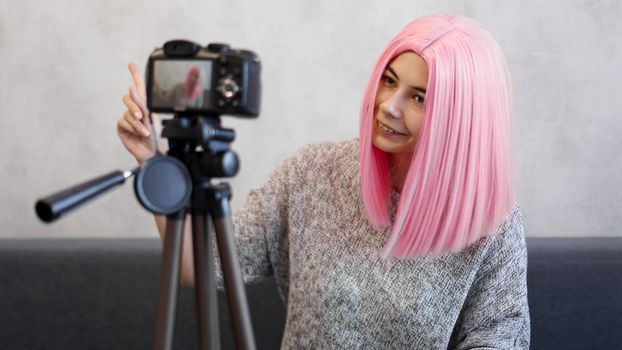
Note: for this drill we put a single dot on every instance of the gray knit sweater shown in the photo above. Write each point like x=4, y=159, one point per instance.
x=307, y=226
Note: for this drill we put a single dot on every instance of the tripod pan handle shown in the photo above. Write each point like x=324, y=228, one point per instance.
x=52, y=207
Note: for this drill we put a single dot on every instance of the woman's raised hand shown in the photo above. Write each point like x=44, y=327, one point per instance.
x=133, y=127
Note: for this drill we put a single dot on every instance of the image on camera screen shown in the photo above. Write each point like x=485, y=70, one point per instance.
x=181, y=84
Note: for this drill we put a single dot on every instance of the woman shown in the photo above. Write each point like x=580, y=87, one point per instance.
x=408, y=238
x=188, y=94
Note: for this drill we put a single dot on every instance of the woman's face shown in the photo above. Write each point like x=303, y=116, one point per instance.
x=193, y=76
x=399, y=105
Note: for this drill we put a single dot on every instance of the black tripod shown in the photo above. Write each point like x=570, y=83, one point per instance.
x=180, y=184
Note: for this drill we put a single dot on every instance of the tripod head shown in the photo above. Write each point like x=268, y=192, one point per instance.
x=199, y=150
x=204, y=136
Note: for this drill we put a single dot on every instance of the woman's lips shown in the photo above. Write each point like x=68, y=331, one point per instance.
x=387, y=130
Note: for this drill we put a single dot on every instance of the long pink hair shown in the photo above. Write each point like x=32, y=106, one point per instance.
x=460, y=183
x=192, y=89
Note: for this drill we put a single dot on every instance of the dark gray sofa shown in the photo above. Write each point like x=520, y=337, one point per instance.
x=102, y=294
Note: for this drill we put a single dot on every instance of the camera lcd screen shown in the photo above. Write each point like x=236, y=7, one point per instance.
x=180, y=85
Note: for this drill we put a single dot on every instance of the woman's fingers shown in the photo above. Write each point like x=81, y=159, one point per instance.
x=137, y=126
x=133, y=142
x=124, y=126
x=139, y=100
x=134, y=127
x=137, y=94
x=139, y=82
x=132, y=107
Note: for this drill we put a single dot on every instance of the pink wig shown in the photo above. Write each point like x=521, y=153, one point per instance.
x=192, y=88
x=459, y=185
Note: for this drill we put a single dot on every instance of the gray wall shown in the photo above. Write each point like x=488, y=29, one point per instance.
x=63, y=74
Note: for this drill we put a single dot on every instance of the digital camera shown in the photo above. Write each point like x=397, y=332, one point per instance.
x=187, y=79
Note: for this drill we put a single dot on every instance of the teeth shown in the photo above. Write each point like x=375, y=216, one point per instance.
x=391, y=131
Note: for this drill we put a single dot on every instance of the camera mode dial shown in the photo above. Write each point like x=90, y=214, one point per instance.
x=218, y=47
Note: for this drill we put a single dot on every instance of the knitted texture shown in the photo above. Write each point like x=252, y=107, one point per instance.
x=307, y=226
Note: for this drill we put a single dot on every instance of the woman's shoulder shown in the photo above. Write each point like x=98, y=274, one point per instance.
x=510, y=236
x=323, y=162
x=506, y=239
x=321, y=155
x=329, y=148
x=513, y=221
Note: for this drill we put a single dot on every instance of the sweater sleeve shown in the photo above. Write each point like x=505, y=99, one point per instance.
x=495, y=314
x=261, y=228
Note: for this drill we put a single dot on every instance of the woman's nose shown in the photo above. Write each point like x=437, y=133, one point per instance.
x=392, y=106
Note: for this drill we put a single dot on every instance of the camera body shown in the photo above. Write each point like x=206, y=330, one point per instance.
x=187, y=79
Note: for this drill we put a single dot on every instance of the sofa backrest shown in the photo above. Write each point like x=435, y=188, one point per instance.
x=575, y=292
x=102, y=294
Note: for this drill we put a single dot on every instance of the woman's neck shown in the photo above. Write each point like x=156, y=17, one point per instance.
x=398, y=169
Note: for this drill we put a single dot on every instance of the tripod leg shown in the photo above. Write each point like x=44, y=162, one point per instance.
x=169, y=281
x=205, y=283
x=236, y=294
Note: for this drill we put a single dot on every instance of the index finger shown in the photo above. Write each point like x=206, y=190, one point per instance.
x=139, y=82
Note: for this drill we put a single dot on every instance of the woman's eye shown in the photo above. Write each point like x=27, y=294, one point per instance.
x=419, y=99
x=387, y=80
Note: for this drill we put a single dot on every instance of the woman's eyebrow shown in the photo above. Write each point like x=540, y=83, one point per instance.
x=392, y=71
x=418, y=88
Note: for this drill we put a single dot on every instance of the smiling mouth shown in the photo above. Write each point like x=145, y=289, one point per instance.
x=387, y=129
